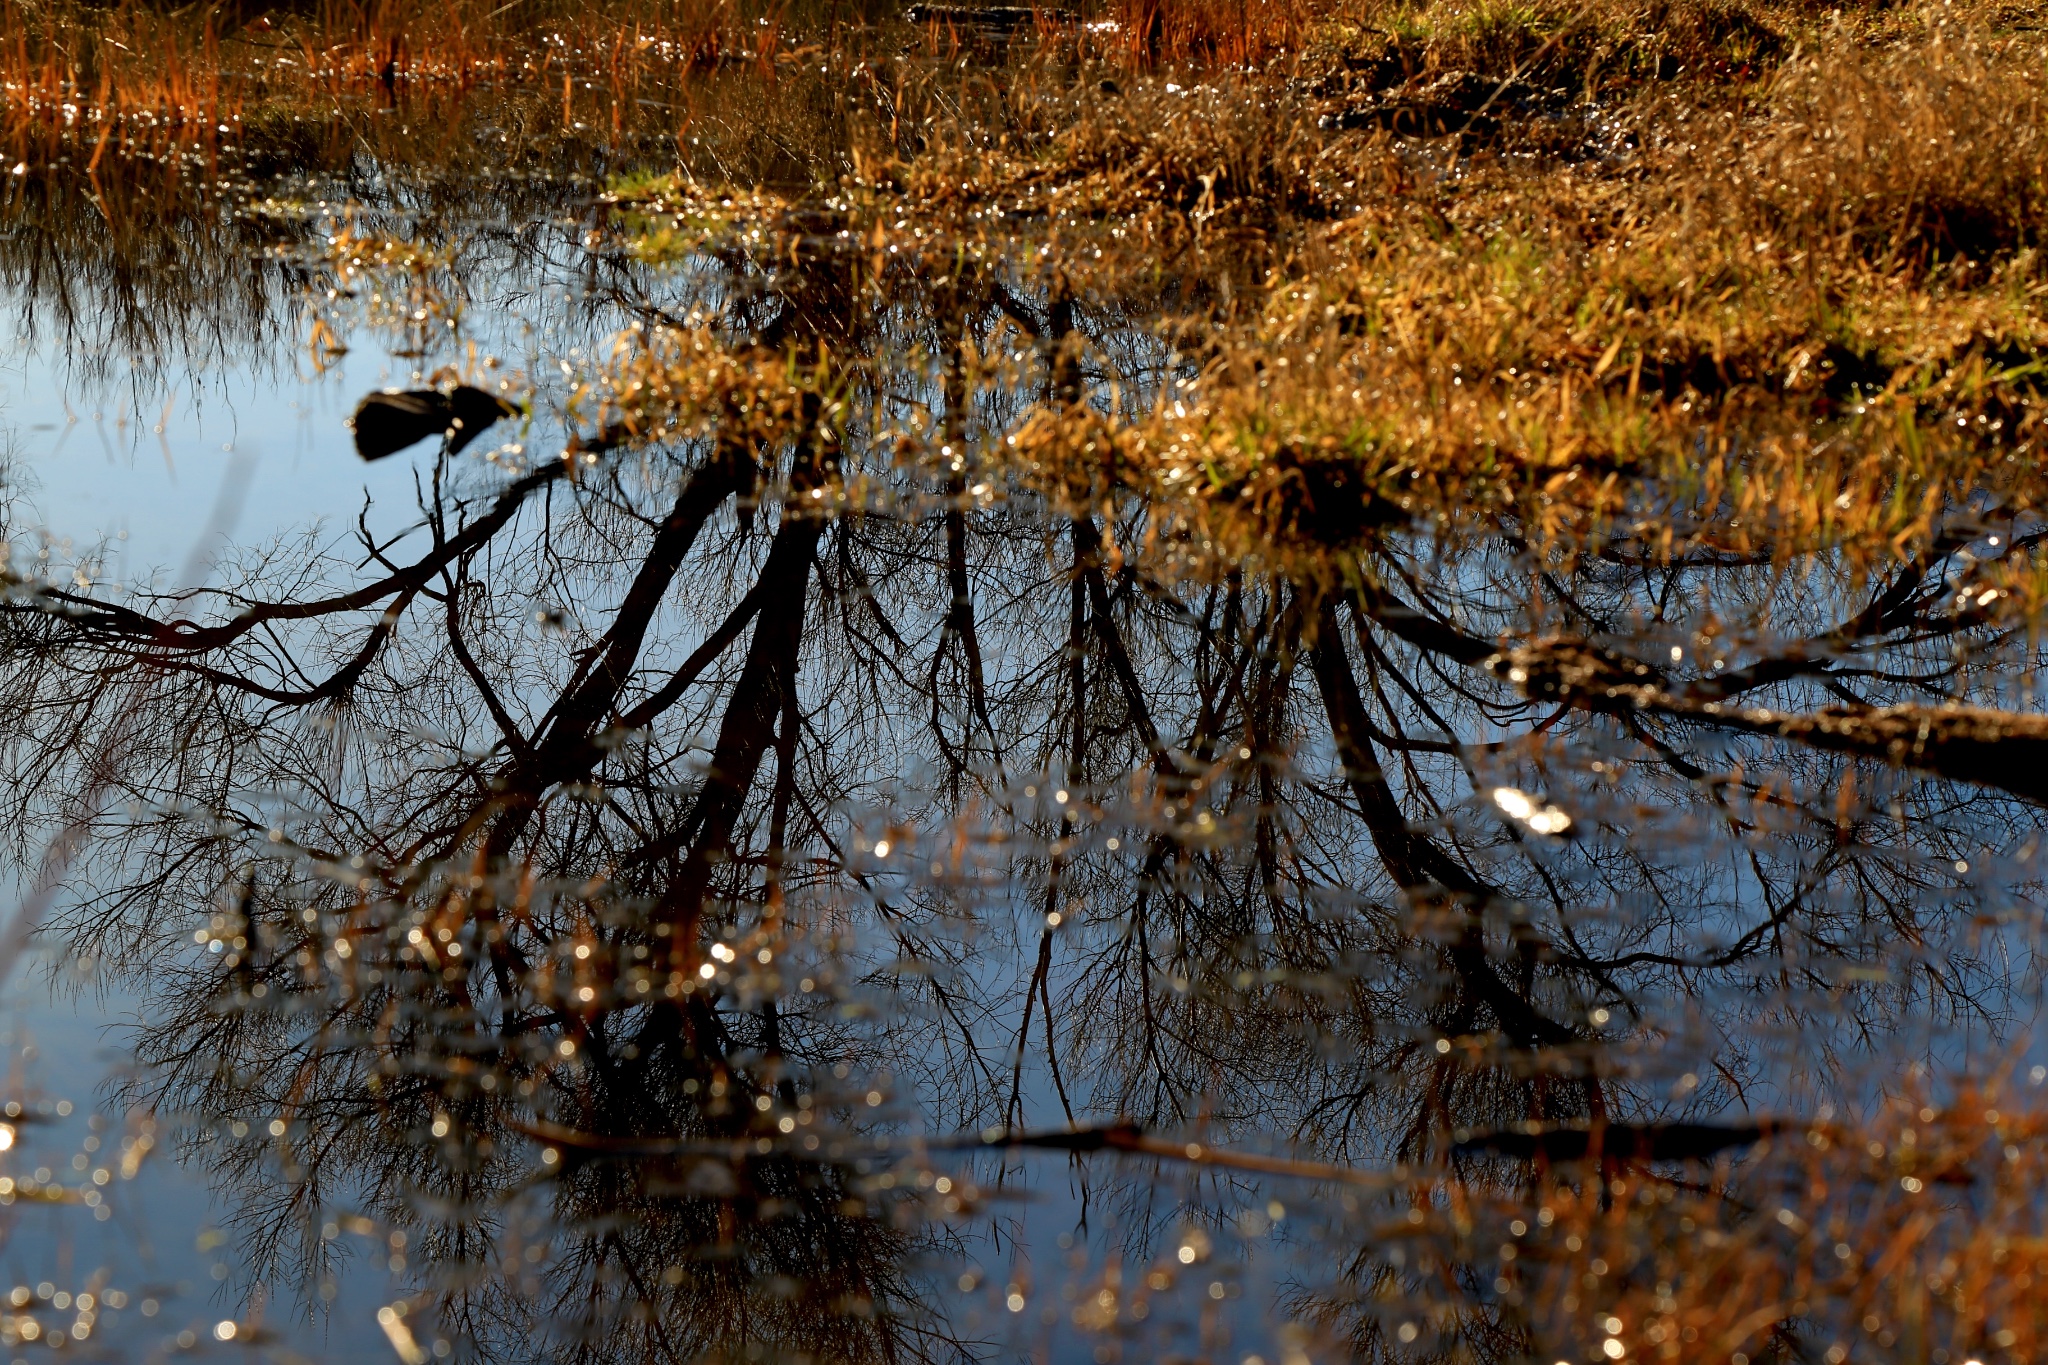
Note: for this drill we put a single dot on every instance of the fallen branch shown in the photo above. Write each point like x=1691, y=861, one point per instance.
x=2003, y=749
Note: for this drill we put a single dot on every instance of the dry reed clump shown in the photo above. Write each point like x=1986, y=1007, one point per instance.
x=85, y=72
x=1572, y=51
x=1205, y=32
x=94, y=68
x=1288, y=466
x=1576, y=398
x=1659, y=349
x=1507, y=341
x=405, y=288
x=1905, y=158
x=1911, y=1234
x=675, y=384
x=1159, y=164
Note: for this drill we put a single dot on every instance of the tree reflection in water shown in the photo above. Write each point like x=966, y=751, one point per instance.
x=616, y=885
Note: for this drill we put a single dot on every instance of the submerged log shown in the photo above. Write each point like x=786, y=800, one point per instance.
x=2003, y=749
x=1617, y=1141
x=1004, y=17
x=389, y=421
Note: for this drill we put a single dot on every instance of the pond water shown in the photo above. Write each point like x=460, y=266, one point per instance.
x=822, y=895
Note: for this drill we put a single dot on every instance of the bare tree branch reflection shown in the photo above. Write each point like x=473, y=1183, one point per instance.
x=778, y=771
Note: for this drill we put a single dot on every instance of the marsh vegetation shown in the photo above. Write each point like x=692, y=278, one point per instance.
x=1291, y=680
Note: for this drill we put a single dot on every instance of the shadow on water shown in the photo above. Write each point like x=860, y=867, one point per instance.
x=755, y=870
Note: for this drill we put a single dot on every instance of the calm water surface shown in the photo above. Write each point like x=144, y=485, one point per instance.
x=661, y=914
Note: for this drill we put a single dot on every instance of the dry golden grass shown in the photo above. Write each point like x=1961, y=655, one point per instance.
x=1804, y=314
x=1914, y=1230
x=201, y=70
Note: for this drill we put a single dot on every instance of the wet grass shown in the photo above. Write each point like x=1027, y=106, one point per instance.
x=1793, y=313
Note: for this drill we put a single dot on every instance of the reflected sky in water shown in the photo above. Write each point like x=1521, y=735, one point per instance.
x=783, y=882
x=90, y=460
